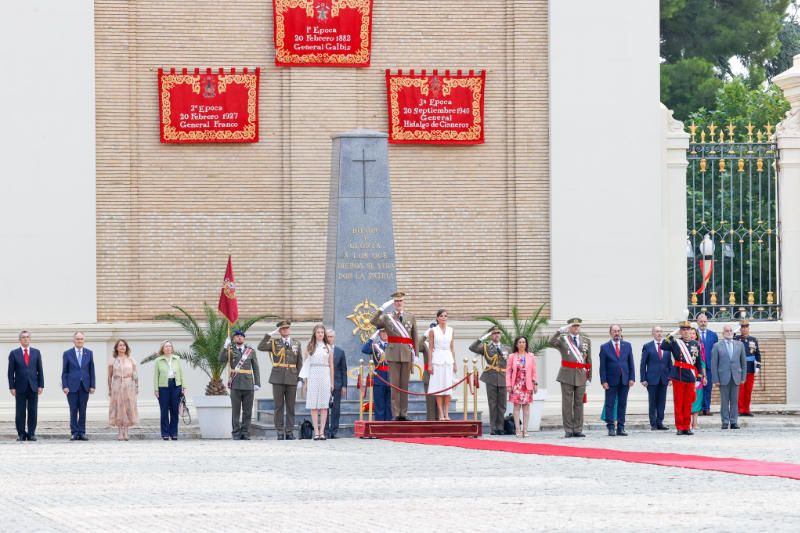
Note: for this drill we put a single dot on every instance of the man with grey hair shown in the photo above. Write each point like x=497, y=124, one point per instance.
x=729, y=370
x=25, y=382
x=654, y=371
x=78, y=382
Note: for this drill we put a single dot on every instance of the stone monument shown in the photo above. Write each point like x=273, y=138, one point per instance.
x=360, y=269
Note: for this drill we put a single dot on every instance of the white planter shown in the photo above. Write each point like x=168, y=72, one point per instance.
x=536, y=409
x=214, y=415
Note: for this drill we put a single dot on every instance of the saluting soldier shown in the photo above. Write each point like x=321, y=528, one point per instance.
x=494, y=356
x=687, y=367
x=753, y=356
x=375, y=347
x=244, y=380
x=401, y=329
x=287, y=360
x=574, y=374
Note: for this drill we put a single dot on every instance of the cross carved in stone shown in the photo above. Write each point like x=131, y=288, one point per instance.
x=364, y=162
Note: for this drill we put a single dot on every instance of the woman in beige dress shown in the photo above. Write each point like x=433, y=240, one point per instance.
x=123, y=387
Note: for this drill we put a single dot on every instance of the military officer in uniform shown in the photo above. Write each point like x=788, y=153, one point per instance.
x=430, y=401
x=574, y=374
x=375, y=347
x=243, y=381
x=494, y=356
x=753, y=355
x=287, y=360
x=687, y=367
x=401, y=328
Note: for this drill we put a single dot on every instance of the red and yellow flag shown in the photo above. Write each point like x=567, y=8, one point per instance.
x=227, y=296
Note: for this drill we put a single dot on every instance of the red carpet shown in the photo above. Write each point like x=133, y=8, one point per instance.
x=698, y=462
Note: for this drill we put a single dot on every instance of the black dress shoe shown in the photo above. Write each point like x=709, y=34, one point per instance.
x=746, y=414
x=74, y=437
x=724, y=426
x=734, y=426
x=688, y=432
x=173, y=438
x=32, y=438
x=578, y=434
x=706, y=412
x=621, y=433
x=290, y=436
x=281, y=436
x=83, y=437
x=21, y=438
x=653, y=428
x=245, y=437
x=164, y=438
x=680, y=432
x=568, y=434
x=662, y=428
x=611, y=432
x=332, y=436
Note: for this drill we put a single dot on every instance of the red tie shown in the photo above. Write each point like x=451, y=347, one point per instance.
x=616, y=347
x=660, y=355
x=27, y=357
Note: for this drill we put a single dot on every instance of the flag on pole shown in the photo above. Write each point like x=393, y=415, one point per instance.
x=227, y=296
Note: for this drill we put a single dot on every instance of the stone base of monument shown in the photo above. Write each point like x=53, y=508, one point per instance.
x=418, y=428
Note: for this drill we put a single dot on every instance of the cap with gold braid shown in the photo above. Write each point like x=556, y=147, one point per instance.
x=495, y=329
x=398, y=296
x=574, y=321
x=744, y=322
x=283, y=324
x=684, y=324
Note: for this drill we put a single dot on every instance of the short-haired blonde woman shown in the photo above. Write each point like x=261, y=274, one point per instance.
x=123, y=387
x=319, y=385
x=168, y=384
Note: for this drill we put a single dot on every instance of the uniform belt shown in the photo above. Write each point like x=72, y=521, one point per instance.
x=573, y=364
x=687, y=366
x=400, y=340
x=496, y=369
x=282, y=365
x=382, y=368
x=242, y=371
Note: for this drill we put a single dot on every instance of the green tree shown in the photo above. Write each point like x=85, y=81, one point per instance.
x=789, y=37
x=699, y=39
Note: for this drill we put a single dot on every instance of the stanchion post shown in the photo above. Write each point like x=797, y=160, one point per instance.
x=466, y=388
x=475, y=390
x=371, y=382
x=361, y=390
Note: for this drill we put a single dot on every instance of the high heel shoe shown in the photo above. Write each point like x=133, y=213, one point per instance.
x=519, y=434
x=524, y=434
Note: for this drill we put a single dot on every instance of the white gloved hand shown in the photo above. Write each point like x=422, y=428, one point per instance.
x=274, y=332
x=486, y=336
x=227, y=342
x=588, y=381
x=386, y=305
x=563, y=329
x=758, y=370
x=375, y=335
x=256, y=388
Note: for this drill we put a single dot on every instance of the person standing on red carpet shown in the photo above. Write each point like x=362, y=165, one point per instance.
x=753, y=366
x=685, y=370
x=574, y=374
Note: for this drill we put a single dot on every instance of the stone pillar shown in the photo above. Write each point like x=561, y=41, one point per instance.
x=787, y=134
x=674, y=142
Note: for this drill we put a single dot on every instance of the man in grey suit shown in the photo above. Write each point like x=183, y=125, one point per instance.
x=728, y=370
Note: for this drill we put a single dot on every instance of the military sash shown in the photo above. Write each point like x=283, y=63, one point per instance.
x=245, y=356
x=574, y=350
x=406, y=337
x=687, y=358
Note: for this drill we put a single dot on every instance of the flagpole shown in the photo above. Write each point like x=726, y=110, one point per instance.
x=229, y=352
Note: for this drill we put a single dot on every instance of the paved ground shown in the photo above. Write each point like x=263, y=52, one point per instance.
x=360, y=485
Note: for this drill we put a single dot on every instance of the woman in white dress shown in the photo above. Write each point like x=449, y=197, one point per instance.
x=318, y=357
x=443, y=363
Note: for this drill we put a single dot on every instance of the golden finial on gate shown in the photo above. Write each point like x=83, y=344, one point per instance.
x=759, y=165
x=731, y=129
x=750, y=132
x=693, y=132
x=759, y=136
x=770, y=298
x=751, y=298
x=721, y=136
x=713, y=298
x=732, y=298
x=741, y=165
x=722, y=165
x=768, y=127
x=711, y=130
x=703, y=164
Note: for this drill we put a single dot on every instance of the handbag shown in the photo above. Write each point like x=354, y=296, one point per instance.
x=508, y=425
x=306, y=429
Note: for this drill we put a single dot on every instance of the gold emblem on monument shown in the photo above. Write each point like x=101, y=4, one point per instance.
x=361, y=315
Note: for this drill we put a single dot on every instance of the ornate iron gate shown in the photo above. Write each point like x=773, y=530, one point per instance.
x=733, y=242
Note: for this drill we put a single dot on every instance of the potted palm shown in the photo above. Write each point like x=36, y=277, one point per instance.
x=531, y=329
x=208, y=340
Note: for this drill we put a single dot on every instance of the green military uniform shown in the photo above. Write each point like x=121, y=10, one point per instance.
x=494, y=375
x=287, y=360
x=242, y=386
x=575, y=371
x=430, y=401
x=399, y=355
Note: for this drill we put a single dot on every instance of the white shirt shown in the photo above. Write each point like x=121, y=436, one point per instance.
x=171, y=372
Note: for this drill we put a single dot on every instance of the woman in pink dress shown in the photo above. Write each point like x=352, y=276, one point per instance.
x=521, y=382
x=123, y=387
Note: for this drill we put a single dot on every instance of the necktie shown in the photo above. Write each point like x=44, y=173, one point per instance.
x=27, y=358
x=80, y=357
x=660, y=354
x=575, y=340
x=703, y=335
x=616, y=347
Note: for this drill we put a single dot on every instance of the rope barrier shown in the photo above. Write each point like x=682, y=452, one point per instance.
x=454, y=385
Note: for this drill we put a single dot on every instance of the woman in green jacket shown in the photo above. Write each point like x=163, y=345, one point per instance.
x=168, y=382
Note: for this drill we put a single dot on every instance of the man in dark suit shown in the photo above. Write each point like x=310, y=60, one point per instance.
x=339, y=385
x=654, y=371
x=617, y=375
x=78, y=382
x=26, y=382
x=708, y=339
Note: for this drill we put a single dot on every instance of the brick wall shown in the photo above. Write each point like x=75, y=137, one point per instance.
x=168, y=215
